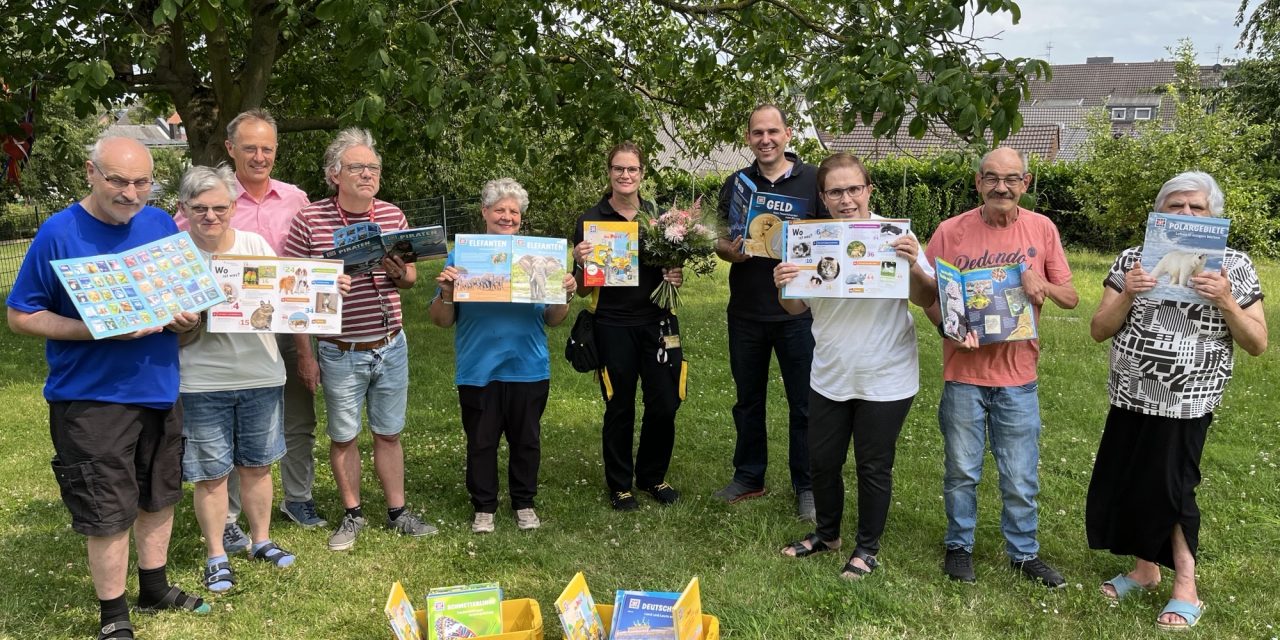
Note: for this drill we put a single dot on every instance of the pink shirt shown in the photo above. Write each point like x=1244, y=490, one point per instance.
x=968, y=242
x=269, y=218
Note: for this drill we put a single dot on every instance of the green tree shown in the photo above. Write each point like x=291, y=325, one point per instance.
x=544, y=82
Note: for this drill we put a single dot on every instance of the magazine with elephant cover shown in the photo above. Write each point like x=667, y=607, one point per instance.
x=502, y=268
x=362, y=246
x=990, y=301
x=1178, y=247
x=140, y=288
x=267, y=294
x=846, y=258
x=614, y=260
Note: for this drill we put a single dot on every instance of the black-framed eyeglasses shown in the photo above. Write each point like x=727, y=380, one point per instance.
x=359, y=168
x=116, y=182
x=853, y=190
x=1009, y=181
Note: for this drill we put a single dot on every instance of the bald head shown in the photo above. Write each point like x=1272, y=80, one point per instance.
x=119, y=172
x=119, y=149
x=1004, y=157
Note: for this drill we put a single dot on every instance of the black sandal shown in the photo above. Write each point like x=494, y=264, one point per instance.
x=852, y=571
x=217, y=573
x=176, y=598
x=108, y=631
x=816, y=546
x=273, y=553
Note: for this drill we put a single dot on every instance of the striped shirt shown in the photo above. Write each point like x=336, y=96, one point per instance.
x=372, y=309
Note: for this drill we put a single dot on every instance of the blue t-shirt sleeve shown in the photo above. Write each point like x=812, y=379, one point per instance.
x=36, y=288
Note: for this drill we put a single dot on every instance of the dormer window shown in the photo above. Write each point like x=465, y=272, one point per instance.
x=1119, y=113
x=1141, y=113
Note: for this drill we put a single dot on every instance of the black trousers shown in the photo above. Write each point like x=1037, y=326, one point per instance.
x=874, y=428
x=630, y=356
x=514, y=410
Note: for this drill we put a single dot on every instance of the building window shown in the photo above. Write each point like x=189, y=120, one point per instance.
x=1142, y=113
x=1118, y=113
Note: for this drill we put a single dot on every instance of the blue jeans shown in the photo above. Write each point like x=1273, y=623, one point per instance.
x=242, y=427
x=751, y=344
x=350, y=378
x=1010, y=416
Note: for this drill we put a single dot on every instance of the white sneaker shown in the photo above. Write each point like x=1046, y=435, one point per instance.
x=483, y=523
x=527, y=519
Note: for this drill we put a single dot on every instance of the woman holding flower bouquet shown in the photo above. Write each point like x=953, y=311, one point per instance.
x=865, y=374
x=638, y=342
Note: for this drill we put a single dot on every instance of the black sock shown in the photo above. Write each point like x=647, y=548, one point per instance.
x=153, y=585
x=356, y=512
x=392, y=514
x=114, y=610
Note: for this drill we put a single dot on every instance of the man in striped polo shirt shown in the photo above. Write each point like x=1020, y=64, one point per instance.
x=370, y=359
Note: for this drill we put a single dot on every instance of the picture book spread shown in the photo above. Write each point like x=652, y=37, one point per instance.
x=464, y=611
x=276, y=295
x=643, y=615
x=846, y=258
x=401, y=615
x=144, y=287
x=686, y=613
x=614, y=260
x=990, y=301
x=577, y=611
x=1178, y=247
x=501, y=268
x=363, y=245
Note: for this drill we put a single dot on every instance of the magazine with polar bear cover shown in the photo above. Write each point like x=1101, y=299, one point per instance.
x=846, y=258
x=502, y=268
x=990, y=301
x=268, y=294
x=1178, y=247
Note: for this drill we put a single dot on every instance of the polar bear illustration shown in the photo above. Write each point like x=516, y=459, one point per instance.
x=1180, y=266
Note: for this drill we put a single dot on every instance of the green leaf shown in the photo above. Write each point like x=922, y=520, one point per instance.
x=435, y=96
x=209, y=16
x=917, y=127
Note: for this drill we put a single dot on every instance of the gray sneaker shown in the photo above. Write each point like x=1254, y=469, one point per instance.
x=234, y=539
x=737, y=492
x=483, y=523
x=527, y=519
x=411, y=525
x=303, y=513
x=804, y=507
x=345, y=536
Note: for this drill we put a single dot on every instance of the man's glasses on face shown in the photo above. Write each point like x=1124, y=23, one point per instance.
x=253, y=151
x=359, y=168
x=120, y=184
x=200, y=209
x=628, y=171
x=853, y=190
x=989, y=180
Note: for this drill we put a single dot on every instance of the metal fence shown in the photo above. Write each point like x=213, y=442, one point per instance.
x=457, y=215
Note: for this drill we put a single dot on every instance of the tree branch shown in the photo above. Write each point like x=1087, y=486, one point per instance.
x=735, y=7
x=318, y=123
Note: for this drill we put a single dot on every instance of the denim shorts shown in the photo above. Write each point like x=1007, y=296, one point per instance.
x=243, y=427
x=379, y=377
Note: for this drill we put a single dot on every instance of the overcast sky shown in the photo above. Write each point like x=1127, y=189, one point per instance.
x=1132, y=31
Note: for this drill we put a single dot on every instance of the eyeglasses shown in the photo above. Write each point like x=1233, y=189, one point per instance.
x=357, y=169
x=116, y=182
x=200, y=209
x=853, y=190
x=1009, y=181
x=632, y=171
x=253, y=150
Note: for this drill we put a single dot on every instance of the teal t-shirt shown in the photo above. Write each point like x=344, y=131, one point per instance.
x=499, y=341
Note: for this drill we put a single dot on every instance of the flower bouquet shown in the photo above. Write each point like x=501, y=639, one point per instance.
x=677, y=238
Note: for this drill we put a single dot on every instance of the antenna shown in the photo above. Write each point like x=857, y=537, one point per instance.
x=1217, y=55
x=1048, y=51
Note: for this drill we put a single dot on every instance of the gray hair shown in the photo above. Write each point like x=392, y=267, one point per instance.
x=233, y=127
x=199, y=179
x=496, y=191
x=1197, y=181
x=97, y=152
x=1022, y=155
x=347, y=139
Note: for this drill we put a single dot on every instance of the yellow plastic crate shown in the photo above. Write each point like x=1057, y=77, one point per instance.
x=521, y=618
x=710, y=624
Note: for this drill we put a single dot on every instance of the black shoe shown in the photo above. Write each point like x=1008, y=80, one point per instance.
x=663, y=493
x=623, y=501
x=959, y=566
x=1036, y=569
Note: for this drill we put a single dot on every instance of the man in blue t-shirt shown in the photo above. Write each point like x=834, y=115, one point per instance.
x=114, y=417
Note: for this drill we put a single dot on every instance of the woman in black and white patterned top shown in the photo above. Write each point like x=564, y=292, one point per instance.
x=1170, y=362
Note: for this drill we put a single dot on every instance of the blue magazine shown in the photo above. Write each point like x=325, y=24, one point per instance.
x=643, y=615
x=740, y=201
x=989, y=301
x=1178, y=247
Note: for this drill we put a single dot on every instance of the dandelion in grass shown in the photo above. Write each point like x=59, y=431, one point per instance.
x=677, y=238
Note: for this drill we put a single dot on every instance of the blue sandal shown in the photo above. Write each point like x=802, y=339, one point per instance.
x=271, y=552
x=1189, y=611
x=1124, y=586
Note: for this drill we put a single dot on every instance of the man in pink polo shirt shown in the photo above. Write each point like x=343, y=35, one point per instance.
x=992, y=390
x=267, y=206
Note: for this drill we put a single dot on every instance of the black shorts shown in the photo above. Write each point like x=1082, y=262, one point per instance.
x=113, y=459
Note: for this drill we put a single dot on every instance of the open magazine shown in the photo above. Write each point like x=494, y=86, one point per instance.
x=990, y=301
x=268, y=294
x=502, y=268
x=362, y=246
x=1178, y=247
x=846, y=258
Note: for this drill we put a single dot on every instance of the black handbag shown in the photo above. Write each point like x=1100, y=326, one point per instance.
x=580, y=349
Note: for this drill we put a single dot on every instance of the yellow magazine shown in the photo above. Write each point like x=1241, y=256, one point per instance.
x=400, y=614
x=615, y=254
x=577, y=611
x=687, y=612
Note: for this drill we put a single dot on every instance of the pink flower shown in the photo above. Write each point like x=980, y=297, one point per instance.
x=675, y=232
x=652, y=222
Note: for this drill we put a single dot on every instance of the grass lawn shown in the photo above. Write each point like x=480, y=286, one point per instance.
x=45, y=590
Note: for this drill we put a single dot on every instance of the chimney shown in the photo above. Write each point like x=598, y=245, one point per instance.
x=1100, y=60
